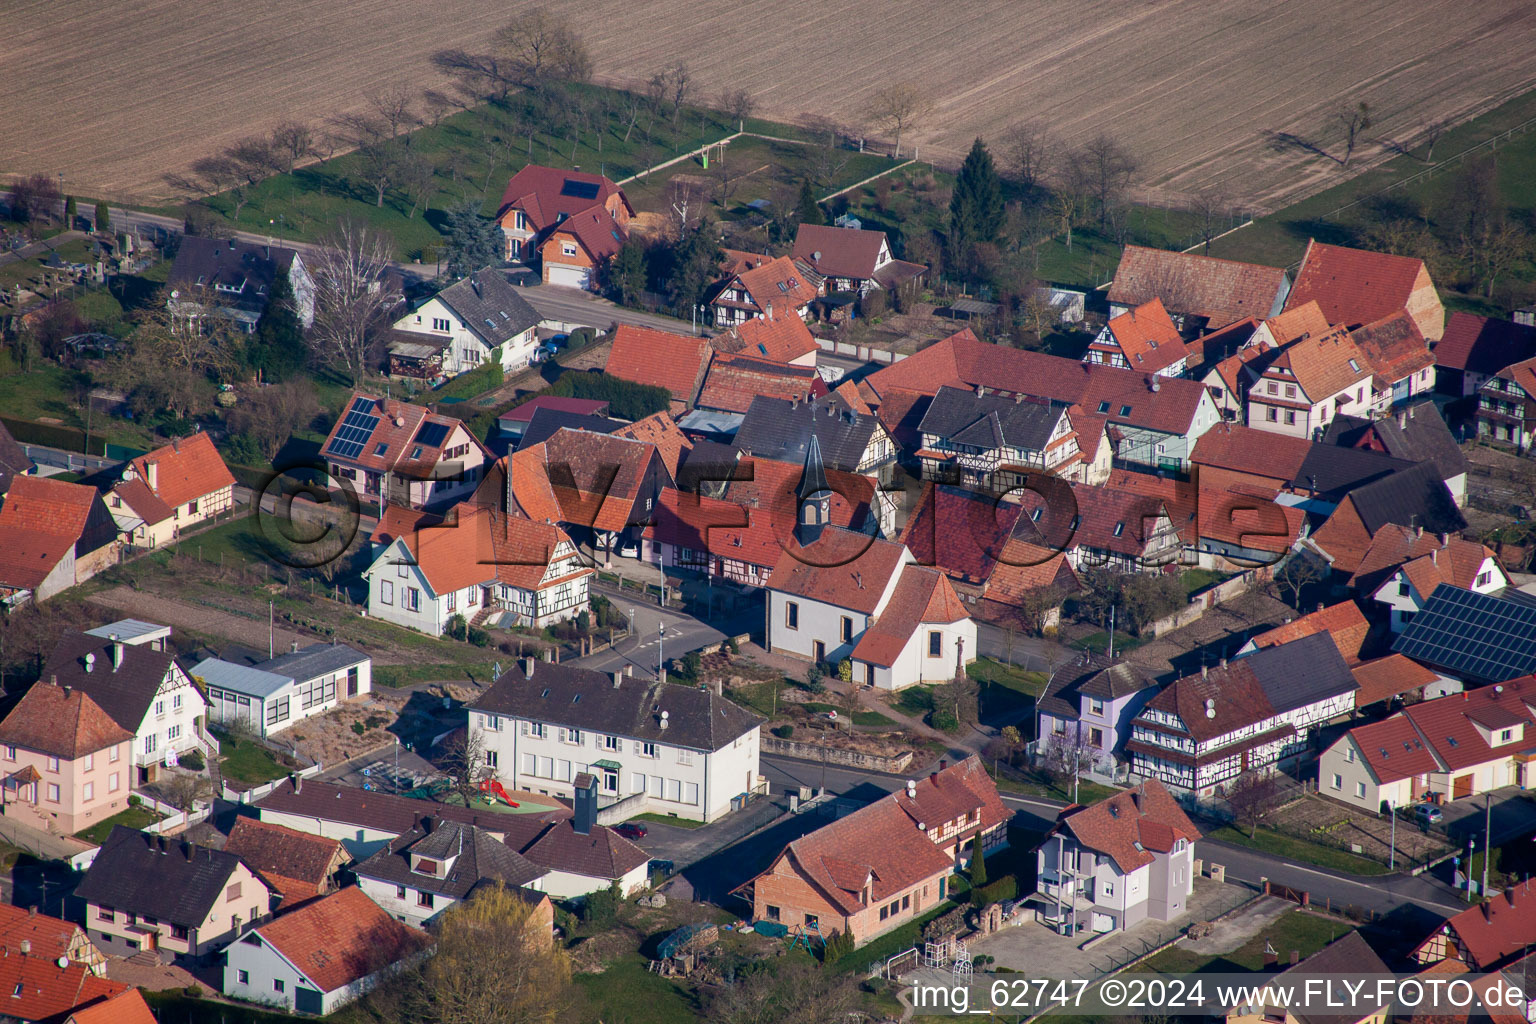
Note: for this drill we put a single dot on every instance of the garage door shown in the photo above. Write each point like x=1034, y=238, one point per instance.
x=1462, y=786
x=1103, y=923
x=573, y=277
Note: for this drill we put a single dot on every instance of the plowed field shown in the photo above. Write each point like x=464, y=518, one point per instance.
x=113, y=93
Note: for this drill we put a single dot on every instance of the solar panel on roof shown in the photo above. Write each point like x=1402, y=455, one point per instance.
x=356, y=428
x=579, y=189
x=432, y=434
x=1479, y=635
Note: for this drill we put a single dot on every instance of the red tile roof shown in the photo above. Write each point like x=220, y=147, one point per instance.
x=295, y=864
x=1259, y=453
x=1130, y=827
x=771, y=485
x=722, y=528
x=28, y=556
x=661, y=430
x=842, y=568
x=1323, y=365
x=124, y=1008
x=596, y=230
x=1394, y=348
x=672, y=361
x=839, y=252
x=185, y=470
x=849, y=392
x=397, y=427
x=1447, y=723
x=50, y=937
x=1295, y=322
x=922, y=597
x=142, y=501
x=61, y=721
x=1484, y=345
x=1457, y=563
x=1353, y=286
x=46, y=505
x=880, y=844
x=782, y=339
x=778, y=287
x=1522, y=373
x=480, y=545
x=1222, y=291
x=1497, y=929
x=541, y=193
x=1147, y=338
x=38, y=989
x=962, y=361
x=581, y=478
x=342, y=938
x=733, y=381
x=555, y=403
x=1390, y=547
x=1248, y=518
x=1393, y=748
x=1024, y=570
x=959, y=531
x=1384, y=678
x=1343, y=622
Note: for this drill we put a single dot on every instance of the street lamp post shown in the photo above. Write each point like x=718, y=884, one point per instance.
x=1392, y=848
x=661, y=661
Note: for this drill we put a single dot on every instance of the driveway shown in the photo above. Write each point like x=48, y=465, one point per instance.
x=1513, y=814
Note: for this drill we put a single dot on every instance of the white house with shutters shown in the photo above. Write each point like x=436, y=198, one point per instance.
x=665, y=748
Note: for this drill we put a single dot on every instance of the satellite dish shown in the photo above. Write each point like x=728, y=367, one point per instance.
x=62, y=961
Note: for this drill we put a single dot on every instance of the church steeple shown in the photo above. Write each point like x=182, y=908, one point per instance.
x=815, y=508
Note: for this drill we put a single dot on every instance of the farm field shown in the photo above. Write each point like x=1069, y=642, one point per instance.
x=113, y=93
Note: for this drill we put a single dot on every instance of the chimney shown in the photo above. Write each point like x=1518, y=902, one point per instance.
x=189, y=850
x=298, y=784
x=53, y=680
x=943, y=763
x=1444, y=539
x=474, y=283
x=1432, y=559
x=1418, y=531
x=175, y=444
x=629, y=670
x=151, y=475
x=528, y=664
x=933, y=777
x=549, y=655
x=584, y=804
x=981, y=390
x=66, y=693
x=1204, y=671
x=618, y=677
x=117, y=652
x=1223, y=662
x=768, y=312
x=26, y=946
x=32, y=910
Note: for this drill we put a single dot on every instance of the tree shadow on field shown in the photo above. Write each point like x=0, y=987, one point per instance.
x=1290, y=142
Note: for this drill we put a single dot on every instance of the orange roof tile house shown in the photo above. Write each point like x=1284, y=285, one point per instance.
x=188, y=477
x=1354, y=287
x=396, y=452
x=1199, y=292
x=572, y=220
x=1116, y=863
x=774, y=288
x=322, y=955
x=53, y=534
x=662, y=359
x=66, y=764
x=1143, y=338
x=479, y=562
x=886, y=863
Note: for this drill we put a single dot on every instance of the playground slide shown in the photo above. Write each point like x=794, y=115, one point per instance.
x=494, y=790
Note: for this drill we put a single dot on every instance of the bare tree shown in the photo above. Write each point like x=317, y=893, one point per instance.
x=738, y=105
x=395, y=107
x=898, y=109
x=1107, y=169
x=1300, y=571
x=1030, y=145
x=35, y=197
x=294, y=140
x=418, y=180
x=1210, y=206
x=540, y=46
x=1355, y=120
x=464, y=761
x=1252, y=796
x=436, y=105
x=1067, y=755
x=353, y=296
x=380, y=167
x=788, y=992
x=187, y=790
x=269, y=415
x=679, y=88
x=1501, y=248
x=1069, y=187
x=1433, y=130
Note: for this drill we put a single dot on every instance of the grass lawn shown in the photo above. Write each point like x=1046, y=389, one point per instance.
x=1099, y=642
x=759, y=697
x=1300, y=850
x=1300, y=931
x=405, y=675
x=133, y=817
x=627, y=992
x=1198, y=579
x=1087, y=792
x=667, y=819
x=248, y=762
x=872, y=718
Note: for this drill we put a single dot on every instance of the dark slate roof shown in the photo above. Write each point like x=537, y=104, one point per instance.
x=1301, y=672
x=546, y=423
x=13, y=459
x=491, y=306
x=581, y=698
x=775, y=428
x=1348, y=957
x=125, y=694
x=476, y=855
x=1415, y=434
x=225, y=272
x=1417, y=496
x=711, y=464
x=1333, y=471
x=991, y=420
x=313, y=661
x=165, y=878
x=1094, y=675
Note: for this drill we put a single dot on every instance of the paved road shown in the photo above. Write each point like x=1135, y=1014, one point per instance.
x=644, y=648
x=574, y=306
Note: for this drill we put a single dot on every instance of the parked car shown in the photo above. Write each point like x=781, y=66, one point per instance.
x=1428, y=814
x=630, y=830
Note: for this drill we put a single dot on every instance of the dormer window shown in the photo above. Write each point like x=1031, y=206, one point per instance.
x=424, y=866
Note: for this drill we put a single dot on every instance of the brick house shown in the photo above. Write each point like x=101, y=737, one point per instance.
x=394, y=452
x=886, y=863
x=295, y=865
x=572, y=220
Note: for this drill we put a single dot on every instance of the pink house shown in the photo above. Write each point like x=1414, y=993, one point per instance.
x=64, y=763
